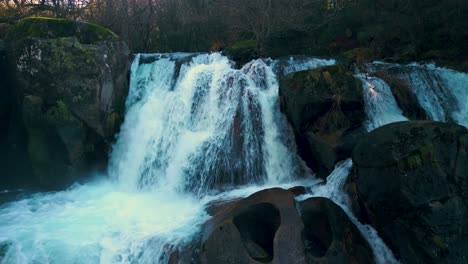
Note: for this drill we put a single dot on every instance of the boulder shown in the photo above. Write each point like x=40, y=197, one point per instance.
x=70, y=81
x=266, y=227
x=411, y=183
x=242, y=51
x=330, y=235
x=326, y=109
x=261, y=228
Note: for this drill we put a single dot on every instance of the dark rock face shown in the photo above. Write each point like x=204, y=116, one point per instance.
x=326, y=108
x=266, y=227
x=329, y=234
x=12, y=135
x=70, y=81
x=242, y=52
x=411, y=183
x=229, y=237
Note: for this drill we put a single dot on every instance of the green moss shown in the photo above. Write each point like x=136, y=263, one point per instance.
x=418, y=158
x=77, y=98
x=243, y=44
x=334, y=69
x=43, y=27
x=413, y=162
x=241, y=51
x=426, y=151
x=359, y=55
x=94, y=33
x=60, y=112
x=439, y=242
x=440, y=246
x=62, y=108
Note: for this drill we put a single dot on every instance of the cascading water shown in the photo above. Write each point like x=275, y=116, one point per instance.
x=96, y=223
x=441, y=92
x=194, y=124
x=203, y=126
x=299, y=63
x=380, y=105
x=198, y=130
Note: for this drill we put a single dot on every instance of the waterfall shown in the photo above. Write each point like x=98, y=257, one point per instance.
x=457, y=84
x=380, y=104
x=198, y=130
x=194, y=126
x=441, y=92
x=291, y=64
x=201, y=125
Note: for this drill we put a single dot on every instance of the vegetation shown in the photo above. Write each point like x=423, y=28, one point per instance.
x=43, y=27
x=399, y=30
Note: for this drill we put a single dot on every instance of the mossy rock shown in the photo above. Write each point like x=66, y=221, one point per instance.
x=42, y=27
x=360, y=56
x=242, y=51
x=411, y=186
x=4, y=29
x=417, y=159
x=308, y=95
x=407, y=164
x=71, y=81
x=326, y=108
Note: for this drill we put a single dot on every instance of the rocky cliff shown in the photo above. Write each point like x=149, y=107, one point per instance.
x=68, y=81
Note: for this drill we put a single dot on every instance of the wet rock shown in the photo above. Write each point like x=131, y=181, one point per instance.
x=298, y=190
x=70, y=81
x=266, y=227
x=326, y=108
x=4, y=28
x=330, y=235
x=410, y=182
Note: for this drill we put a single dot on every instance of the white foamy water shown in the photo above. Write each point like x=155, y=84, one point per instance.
x=457, y=84
x=298, y=63
x=96, y=223
x=441, y=92
x=203, y=126
x=380, y=104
